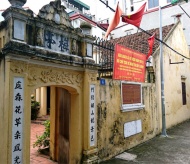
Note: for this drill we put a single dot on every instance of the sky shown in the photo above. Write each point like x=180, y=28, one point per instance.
x=36, y=6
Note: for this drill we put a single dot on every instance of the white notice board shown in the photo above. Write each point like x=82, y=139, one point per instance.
x=132, y=128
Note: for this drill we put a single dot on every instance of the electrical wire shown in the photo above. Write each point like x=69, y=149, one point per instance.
x=151, y=34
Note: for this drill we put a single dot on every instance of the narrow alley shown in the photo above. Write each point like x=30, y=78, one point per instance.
x=35, y=157
x=174, y=149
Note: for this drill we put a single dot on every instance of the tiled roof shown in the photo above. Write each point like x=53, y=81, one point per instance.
x=138, y=41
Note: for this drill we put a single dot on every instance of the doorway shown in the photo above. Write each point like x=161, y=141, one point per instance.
x=63, y=105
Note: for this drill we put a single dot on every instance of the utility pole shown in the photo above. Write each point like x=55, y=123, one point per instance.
x=164, y=134
x=162, y=79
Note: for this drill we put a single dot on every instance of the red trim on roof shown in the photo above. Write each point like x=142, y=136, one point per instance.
x=76, y=16
x=103, y=26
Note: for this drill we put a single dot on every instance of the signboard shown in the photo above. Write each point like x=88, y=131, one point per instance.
x=18, y=120
x=102, y=82
x=129, y=65
x=92, y=116
x=132, y=128
x=131, y=95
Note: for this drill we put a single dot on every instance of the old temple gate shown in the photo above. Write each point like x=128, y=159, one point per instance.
x=90, y=122
x=46, y=51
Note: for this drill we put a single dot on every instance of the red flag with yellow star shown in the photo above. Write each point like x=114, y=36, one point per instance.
x=135, y=19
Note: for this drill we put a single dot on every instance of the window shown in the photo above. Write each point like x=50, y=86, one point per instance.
x=3, y=40
x=131, y=96
x=168, y=1
x=183, y=93
x=153, y=3
x=1, y=43
x=132, y=8
x=89, y=50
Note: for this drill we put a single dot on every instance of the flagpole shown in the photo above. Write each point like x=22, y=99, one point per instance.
x=164, y=134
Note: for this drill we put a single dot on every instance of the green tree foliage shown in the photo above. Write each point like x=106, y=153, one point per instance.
x=35, y=107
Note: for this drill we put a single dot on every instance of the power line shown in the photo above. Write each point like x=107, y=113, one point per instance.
x=165, y=44
x=184, y=10
x=151, y=34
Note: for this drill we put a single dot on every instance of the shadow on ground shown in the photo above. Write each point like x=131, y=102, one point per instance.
x=174, y=149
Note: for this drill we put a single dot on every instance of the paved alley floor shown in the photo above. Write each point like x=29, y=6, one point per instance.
x=35, y=157
x=174, y=149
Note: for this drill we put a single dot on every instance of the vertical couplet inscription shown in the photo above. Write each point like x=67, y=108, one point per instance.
x=92, y=116
x=17, y=122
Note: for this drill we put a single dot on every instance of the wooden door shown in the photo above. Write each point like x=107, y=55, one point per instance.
x=63, y=107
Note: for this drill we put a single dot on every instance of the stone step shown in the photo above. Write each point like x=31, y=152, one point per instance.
x=43, y=118
x=37, y=122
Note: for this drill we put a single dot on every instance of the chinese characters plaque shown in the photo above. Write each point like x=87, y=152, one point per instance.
x=56, y=42
x=17, y=124
x=92, y=116
x=128, y=64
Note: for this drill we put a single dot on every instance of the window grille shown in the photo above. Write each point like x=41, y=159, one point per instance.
x=184, y=102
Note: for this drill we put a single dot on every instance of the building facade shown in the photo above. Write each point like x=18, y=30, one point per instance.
x=89, y=120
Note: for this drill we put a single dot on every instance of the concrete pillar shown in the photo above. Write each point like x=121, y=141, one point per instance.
x=38, y=94
x=43, y=102
x=89, y=152
x=52, y=121
x=5, y=108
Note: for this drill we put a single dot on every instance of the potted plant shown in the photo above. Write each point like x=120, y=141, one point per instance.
x=35, y=107
x=43, y=141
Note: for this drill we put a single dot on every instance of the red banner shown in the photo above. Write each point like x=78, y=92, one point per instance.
x=129, y=65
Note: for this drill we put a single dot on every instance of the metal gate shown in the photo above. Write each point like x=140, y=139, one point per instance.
x=103, y=54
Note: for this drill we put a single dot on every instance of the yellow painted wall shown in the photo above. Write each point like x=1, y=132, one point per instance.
x=36, y=76
x=175, y=111
x=111, y=119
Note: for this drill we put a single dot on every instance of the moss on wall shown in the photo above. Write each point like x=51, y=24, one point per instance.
x=111, y=120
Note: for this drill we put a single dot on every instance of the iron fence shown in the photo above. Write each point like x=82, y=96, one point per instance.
x=103, y=54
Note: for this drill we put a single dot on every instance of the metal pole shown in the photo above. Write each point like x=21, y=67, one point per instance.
x=162, y=79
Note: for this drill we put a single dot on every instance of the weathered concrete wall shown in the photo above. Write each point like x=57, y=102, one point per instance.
x=173, y=76
x=111, y=119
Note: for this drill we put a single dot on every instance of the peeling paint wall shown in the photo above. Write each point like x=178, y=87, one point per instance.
x=111, y=119
x=176, y=112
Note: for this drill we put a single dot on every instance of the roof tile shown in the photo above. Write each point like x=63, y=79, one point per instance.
x=138, y=41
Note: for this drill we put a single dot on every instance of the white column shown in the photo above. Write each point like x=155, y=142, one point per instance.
x=38, y=94
x=43, y=102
